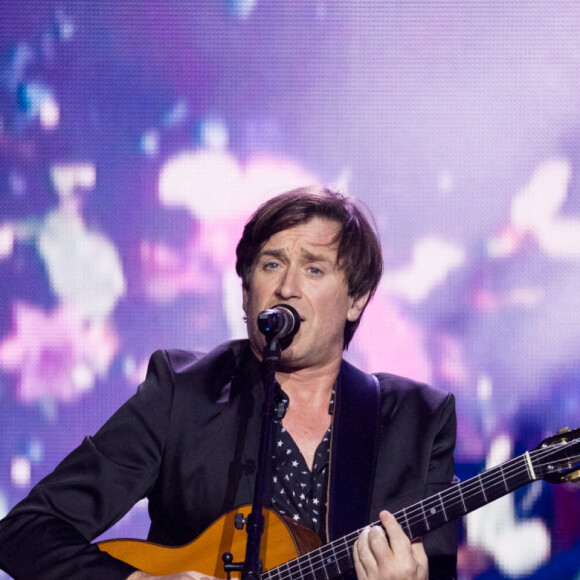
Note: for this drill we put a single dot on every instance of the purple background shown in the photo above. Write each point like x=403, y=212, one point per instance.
x=137, y=136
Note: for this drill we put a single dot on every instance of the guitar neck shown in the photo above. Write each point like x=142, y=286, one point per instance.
x=555, y=460
x=334, y=558
x=463, y=498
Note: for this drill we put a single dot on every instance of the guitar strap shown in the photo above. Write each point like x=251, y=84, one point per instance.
x=353, y=450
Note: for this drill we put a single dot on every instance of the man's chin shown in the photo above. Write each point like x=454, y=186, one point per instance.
x=287, y=342
x=292, y=359
x=288, y=349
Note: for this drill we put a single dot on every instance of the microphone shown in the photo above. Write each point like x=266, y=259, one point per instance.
x=281, y=321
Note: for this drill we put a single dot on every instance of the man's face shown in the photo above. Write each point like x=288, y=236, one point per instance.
x=298, y=266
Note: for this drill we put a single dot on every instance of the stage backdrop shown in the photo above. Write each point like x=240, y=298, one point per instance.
x=137, y=135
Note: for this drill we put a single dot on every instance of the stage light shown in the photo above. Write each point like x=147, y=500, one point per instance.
x=3, y=505
x=49, y=113
x=241, y=8
x=37, y=102
x=540, y=200
x=66, y=177
x=433, y=259
x=35, y=450
x=83, y=377
x=64, y=27
x=149, y=142
x=213, y=134
x=20, y=471
x=177, y=114
x=202, y=181
x=7, y=236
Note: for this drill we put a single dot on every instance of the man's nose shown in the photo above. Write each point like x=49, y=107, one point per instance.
x=289, y=286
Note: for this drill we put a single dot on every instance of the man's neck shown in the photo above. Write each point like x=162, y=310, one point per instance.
x=311, y=386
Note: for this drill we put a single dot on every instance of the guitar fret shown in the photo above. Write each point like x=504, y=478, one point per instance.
x=503, y=478
x=436, y=512
x=274, y=573
x=462, y=500
x=330, y=563
x=311, y=573
x=407, y=525
x=425, y=515
x=320, y=565
x=345, y=562
x=443, y=507
x=303, y=567
x=448, y=505
x=529, y=465
x=482, y=488
x=335, y=558
x=525, y=475
x=454, y=502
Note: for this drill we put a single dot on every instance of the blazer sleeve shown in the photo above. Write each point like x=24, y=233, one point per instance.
x=416, y=459
x=441, y=545
x=48, y=534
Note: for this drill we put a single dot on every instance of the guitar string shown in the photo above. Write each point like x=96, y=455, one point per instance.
x=350, y=538
x=306, y=559
x=507, y=470
x=494, y=475
x=491, y=476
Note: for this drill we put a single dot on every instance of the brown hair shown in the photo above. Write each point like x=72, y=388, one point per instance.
x=359, y=250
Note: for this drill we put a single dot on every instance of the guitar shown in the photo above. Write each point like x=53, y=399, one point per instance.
x=291, y=551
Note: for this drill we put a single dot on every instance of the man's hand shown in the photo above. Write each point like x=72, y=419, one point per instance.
x=391, y=556
x=181, y=576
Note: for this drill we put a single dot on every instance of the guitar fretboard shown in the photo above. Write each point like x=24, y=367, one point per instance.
x=334, y=558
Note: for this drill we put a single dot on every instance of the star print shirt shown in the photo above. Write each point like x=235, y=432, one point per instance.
x=297, y=492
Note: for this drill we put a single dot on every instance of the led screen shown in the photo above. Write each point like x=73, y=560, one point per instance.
x=137, y=136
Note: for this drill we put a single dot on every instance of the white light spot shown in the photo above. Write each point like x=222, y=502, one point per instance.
x=539, y=201
x=68, y=176
x=150, y=142
x=445, y=182
x=214, y=134
x=6, y=240
x=49, y=113
x=83, y=377
x=484, y=388
x=432, y=261
x=20, y=471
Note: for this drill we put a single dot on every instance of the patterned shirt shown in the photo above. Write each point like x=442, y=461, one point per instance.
x=297, y=492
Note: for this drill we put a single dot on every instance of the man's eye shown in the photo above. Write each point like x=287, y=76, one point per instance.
x=271, y=266
x=315, y=271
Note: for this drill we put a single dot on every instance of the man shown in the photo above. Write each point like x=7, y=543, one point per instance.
x=188, y=439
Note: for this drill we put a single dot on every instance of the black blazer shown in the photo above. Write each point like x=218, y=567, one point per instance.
x=188, y=440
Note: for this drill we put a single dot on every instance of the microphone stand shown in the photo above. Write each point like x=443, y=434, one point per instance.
x=251, y=568
x=281, y=322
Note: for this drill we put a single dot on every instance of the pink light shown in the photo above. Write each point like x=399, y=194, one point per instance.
x=49, y=113
x=212, y=183
x=539, y=201
x=20, y=471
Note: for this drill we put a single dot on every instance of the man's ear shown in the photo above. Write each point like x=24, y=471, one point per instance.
x=356, y=307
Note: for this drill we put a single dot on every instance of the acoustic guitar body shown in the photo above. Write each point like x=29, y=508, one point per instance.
x=556, y=459
x=282, y=541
